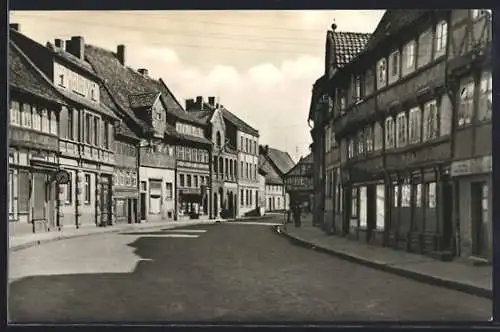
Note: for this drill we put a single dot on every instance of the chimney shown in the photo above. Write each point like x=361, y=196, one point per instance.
x=143, y=72
x=59, y=43
x=211, y=101
x=267, y=149
x=69, y=46
x=14, y=26
x=189, y=104
x=78, y=47
x=199, y=100
x=120, y=54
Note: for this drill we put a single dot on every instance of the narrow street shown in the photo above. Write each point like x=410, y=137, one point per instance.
x=221, y=272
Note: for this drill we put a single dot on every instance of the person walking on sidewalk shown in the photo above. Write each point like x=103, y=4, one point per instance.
x=296, y=214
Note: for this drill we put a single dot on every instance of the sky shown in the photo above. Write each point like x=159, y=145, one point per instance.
x=261, y=65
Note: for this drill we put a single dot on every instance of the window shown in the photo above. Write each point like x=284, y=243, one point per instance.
x=363, y=217
x=418, y=195
x=106, y=136
x=15, y=113
x=357, y=88
x=395, y=191
x=45, y=125
x=424, y=48
x=181, y=180
x=196, y=184
x=381, y=73
x=168, y=190
x=242, y=197
x=354, y=203
x=87, y=189
x=188, y=180
x=61, y=79
x=485, y=97
x=415, y=125
x=378, y=137
x=430, y=121
x=484, y=201
x=350, y=149
x=247, y=198
x=218, y=139
x=96, y=131
x=361, y=143
x=389, y=133
x=431, y=194
x=23, y=191
x=406, y=195
x=343, y=103
x=68, y=191
x=12, y=192
x=401, y=130
x=241, y=143
x=369, y=139
x=37, y=118
x=26, y=120
x=441, y=37
x=409, y=55
x=394, y=61
x=70, y=125
x=88, y=129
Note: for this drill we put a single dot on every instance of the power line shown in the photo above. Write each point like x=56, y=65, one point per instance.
x=202, y=34
x=220, y=23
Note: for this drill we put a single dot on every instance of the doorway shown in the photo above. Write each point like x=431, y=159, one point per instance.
x=105, y=200
x=216, y=208
x=447, y=216
x=479, y=218
x=143, y=200
x=371, y=209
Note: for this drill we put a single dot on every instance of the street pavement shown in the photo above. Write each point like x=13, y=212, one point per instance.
x=227, y=272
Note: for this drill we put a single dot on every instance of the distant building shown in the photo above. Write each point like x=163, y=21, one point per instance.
x=299, y=183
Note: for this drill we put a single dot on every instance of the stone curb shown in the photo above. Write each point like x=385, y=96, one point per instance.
x=104, y=231
x=425, y=278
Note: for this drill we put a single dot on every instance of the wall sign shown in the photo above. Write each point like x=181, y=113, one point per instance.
x=472, y=166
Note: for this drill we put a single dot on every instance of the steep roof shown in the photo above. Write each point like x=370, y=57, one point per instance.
x=309, y=159
x=281, y=160
x=347, y=45
x=271, y=176
x=122, y=82
x=392, y=21
x=143, y=99
x=25, y=76
x=68, y=57
x=239, y=123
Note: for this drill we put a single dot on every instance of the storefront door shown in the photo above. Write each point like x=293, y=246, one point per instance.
x=105, y=183
x=479, y=218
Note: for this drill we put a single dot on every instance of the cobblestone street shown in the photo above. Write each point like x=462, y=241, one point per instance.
x=221, y=272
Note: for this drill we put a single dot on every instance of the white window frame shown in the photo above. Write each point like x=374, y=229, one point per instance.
x=430, y=121
x=389, y=132
x=361, y=143
x=466, y=99
x=409, y=53
x=15, y=113
x=441, y=37
x=401, y=130
x=415, y=125
x=381, y=73
x=394, y=60
x=485, y=97
x=369, y=139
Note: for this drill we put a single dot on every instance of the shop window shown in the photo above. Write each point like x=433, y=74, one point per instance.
x=354, y=203
x=23, y=191
x=362, y=207
x=406, y=195
x=395, y=192
x=380, y=206
x=418, y=195
x=485, y=97
x=484, y=202
x=431, y=194
x=155, y=196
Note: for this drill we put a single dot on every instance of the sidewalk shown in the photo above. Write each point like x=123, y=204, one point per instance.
x=476, y=280
x=30, y=240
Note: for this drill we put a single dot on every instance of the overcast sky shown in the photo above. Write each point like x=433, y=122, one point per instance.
x=261, y=64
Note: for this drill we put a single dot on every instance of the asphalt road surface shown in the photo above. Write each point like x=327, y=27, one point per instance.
x=221, y=272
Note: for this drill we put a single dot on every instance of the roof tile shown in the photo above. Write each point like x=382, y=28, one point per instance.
x=281, y=160
x=348, y=45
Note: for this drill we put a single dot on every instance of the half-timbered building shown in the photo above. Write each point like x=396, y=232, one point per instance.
x=33, y=147
x=86, y=131
x=395, y=135
x=469, y=79
x=300, y=183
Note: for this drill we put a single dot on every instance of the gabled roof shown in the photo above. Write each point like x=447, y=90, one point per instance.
x=240, y=124
x=25, y=76
x=271, y=176
x=143, y=99
x=347, y=45
x=281, y=160
x=68, y=57
x=392, y=21
x=309, y=159
x=123, y=82
x=205, y=116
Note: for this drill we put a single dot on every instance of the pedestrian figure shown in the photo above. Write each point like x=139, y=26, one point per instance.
x=296, y=215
